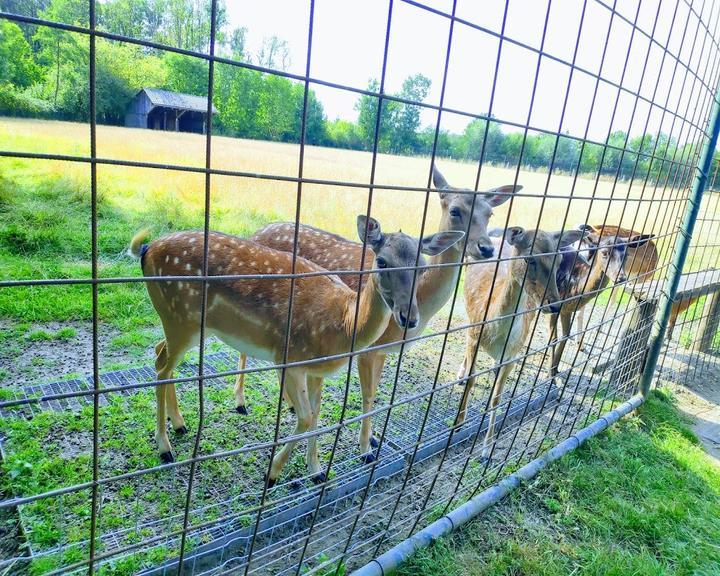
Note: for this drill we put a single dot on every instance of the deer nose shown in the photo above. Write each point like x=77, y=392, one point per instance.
x=487, y=251
x=409, y=323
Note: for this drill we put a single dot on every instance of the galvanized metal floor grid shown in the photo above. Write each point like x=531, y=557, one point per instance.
x=286, y=516
x=399, y=440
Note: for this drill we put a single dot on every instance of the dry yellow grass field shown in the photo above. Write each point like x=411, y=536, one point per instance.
x=330, y=207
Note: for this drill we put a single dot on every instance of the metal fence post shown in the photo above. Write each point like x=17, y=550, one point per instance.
x=681, y=247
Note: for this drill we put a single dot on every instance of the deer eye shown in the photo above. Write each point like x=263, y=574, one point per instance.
x=380, y=263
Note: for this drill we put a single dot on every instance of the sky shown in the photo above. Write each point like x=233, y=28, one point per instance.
x=349, y=36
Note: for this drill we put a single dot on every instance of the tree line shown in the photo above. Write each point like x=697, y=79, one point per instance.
x=44, y=73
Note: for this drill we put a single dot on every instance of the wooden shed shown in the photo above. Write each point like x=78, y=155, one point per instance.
x=165, y=110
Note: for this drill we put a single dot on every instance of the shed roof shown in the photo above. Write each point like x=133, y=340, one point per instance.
x=177, y=100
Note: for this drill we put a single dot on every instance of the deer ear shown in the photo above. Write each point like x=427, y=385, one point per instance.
x=516, y=236
x=500, y=195
x=640, y=240
x=438, y=179
x=570, y=237
x=374, y=235
x=437, y=243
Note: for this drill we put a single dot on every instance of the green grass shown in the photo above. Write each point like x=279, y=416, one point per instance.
x=642, y=498
x=45, y=233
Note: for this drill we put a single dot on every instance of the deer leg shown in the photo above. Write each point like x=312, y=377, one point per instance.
x=173, y=410
x=240, y=406
x=370, y=369
x=671, y=324
x=502, y=377
x=552, y=329
x=296, y=387
x=583, y=324
x=286, y=397
x=580, y=315
x=168, y=357
x=559, y=348
x=465, y=370
x=314, y=384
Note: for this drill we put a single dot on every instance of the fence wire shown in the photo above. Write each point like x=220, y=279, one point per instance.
x=213, y=509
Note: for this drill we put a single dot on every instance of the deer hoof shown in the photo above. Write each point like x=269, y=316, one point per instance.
x=292, y=409
x=167, y=457
x=368, y=458
x=319, y=478
x=374, y=442
x=241, y=410
x=270, y=482
x=181, y=430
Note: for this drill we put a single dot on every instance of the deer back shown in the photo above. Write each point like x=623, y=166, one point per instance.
x=639, y=261
x=330, y=251
x=247, y=313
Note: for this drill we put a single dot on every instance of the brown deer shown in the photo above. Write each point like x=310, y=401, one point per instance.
x=582, y=283
x=251, y=314
x=508, y=303
x=640, y=259
x=434, y=287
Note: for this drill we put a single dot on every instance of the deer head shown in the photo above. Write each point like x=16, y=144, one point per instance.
x=538, y=247
x=459, y=213
x=398, y=250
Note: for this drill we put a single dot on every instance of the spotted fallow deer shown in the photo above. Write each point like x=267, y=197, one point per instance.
x=251, y=314
x=434, y=286
x=526, y=281
x=640, y=259
x=582, y=283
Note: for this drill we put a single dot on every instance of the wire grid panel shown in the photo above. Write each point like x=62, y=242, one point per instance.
x=212, y=511
x=689, y=353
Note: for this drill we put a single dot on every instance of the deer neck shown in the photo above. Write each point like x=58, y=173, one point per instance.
x=596, y=276
x=436, y=285
x=516, y=296
x=373, y=314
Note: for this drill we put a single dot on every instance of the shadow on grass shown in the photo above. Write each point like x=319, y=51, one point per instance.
x=643, y=498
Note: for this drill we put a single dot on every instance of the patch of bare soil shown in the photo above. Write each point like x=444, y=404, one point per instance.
x=701, y=400
x=25, y=360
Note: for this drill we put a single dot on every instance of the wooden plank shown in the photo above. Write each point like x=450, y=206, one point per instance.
x=708, y=324
x=692, y=285
x=628, y=362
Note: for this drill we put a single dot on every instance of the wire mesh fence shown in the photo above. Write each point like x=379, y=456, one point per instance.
x=445, y=360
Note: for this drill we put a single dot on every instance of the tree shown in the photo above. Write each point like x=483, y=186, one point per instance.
x=17, y=66
x=315, y=121
x=186, y=23
x=237, y=44
x=125, y=17
x=405, y=118
x=186, y=74
x=344, y=134
x=31, y=8
x=367, y=107
x=274, y=53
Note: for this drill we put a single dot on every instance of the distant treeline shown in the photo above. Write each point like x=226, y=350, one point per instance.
x=44, y=73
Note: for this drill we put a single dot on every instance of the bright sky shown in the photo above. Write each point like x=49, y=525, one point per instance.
x=349, y=36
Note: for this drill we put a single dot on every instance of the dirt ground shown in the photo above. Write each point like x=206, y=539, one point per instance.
x=701, y=401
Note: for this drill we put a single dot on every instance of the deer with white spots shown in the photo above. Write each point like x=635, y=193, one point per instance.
x=434, y=286
x=251, y=314
x=526, y=281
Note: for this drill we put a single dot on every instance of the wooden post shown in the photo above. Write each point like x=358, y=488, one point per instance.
x=709, y=323
x=629, y=361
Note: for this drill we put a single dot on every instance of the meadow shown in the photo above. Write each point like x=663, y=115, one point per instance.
x=45, y=207
x=45, y=330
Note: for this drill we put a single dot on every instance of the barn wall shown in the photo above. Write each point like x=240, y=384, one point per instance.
x=137, y=111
